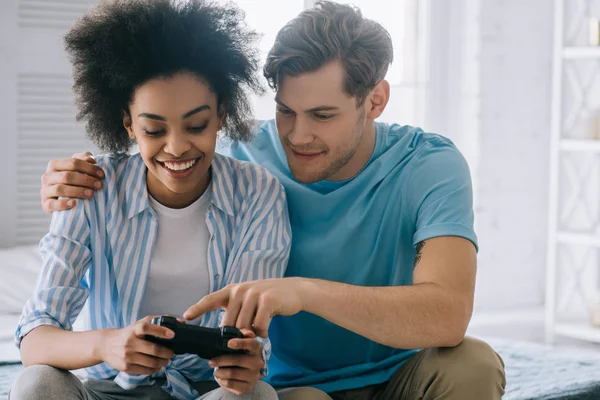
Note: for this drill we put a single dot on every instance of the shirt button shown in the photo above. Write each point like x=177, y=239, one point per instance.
x=212, y=237
x=217, y=276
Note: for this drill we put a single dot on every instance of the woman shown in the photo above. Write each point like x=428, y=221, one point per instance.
x=172, y=223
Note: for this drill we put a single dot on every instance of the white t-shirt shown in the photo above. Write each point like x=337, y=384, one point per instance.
x=179, y=267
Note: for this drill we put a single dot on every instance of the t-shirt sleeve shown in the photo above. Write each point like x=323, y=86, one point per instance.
x=439, y=193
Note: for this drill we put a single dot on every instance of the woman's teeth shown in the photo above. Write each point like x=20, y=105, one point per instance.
x=180, y=166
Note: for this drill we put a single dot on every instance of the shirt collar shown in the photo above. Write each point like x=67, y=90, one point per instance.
x=136, y=195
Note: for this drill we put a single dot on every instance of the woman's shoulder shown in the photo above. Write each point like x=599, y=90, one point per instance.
x=120, y=168
x=120, y=171
x=117, y=163
x=124, y=179
x=245, y=178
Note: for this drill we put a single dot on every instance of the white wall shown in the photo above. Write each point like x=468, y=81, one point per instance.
x=495, y=73
x=516, y=70
x=8, y=109
x=36, y=109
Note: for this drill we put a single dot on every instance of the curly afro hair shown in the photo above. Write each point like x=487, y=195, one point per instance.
x=121, y=44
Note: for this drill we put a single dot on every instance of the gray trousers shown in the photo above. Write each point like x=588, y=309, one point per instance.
x=48, y=383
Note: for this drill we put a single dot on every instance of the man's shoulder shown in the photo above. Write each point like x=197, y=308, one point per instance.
x=412, y=145
x=265, y=132
x=414, y=139
x=263, y=140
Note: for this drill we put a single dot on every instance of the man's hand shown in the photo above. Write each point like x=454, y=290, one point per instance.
x=126, y=350
x=69, y=179
x=238, y=373
x=251, y=305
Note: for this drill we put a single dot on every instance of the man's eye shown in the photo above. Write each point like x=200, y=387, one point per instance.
x=323, y=117
x=285, y=111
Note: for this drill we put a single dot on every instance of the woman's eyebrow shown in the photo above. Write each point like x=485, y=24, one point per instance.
x=184, y=116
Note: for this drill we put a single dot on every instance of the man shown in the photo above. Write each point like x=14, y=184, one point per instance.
x=379, y=288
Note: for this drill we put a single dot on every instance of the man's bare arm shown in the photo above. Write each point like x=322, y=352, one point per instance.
x=433, y=312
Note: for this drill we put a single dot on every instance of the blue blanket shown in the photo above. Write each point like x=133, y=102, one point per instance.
x=546, y=373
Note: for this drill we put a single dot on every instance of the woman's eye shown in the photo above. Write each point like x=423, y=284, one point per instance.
x=154, y=133
x=198, y=129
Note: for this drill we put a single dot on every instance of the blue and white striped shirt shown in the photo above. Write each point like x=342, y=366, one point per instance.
x=97, y=255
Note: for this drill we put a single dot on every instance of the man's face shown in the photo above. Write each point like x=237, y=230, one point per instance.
x=320, y=126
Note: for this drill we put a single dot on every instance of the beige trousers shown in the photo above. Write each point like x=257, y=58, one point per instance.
x=469, y=371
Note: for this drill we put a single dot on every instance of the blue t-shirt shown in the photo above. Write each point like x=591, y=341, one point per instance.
x=362, y=231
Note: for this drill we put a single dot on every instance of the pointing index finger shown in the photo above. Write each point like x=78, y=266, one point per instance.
x=208, y=303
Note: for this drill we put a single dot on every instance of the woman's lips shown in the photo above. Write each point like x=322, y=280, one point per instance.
x=173, y=167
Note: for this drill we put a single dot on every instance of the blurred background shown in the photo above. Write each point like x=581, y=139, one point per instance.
x=514, y=83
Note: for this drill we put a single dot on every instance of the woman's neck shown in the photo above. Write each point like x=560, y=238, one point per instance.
x=161, y=193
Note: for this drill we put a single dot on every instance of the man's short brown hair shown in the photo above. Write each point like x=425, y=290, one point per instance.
x=327, y=32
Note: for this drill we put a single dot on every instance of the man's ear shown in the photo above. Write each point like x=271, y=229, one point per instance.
x=378, y=99
x=127, y=124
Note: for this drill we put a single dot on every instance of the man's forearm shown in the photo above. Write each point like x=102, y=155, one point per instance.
x=417, y=316
x=48, y=345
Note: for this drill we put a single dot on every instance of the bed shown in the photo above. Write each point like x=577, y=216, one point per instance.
x=540, y=372
x=8, y=351
x=533, y=371
x=19, y=268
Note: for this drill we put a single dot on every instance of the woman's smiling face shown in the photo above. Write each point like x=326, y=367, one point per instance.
x=175, y=121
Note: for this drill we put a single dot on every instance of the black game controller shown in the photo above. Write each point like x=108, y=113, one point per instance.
x=207, y=343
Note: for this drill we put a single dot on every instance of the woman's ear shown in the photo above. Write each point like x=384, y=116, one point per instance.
x=127, y=124
x=221, y=114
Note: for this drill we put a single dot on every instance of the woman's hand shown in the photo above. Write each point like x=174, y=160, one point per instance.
x=238, y=373
x=126, y=350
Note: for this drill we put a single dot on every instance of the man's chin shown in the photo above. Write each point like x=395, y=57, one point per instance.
x=306, y=177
